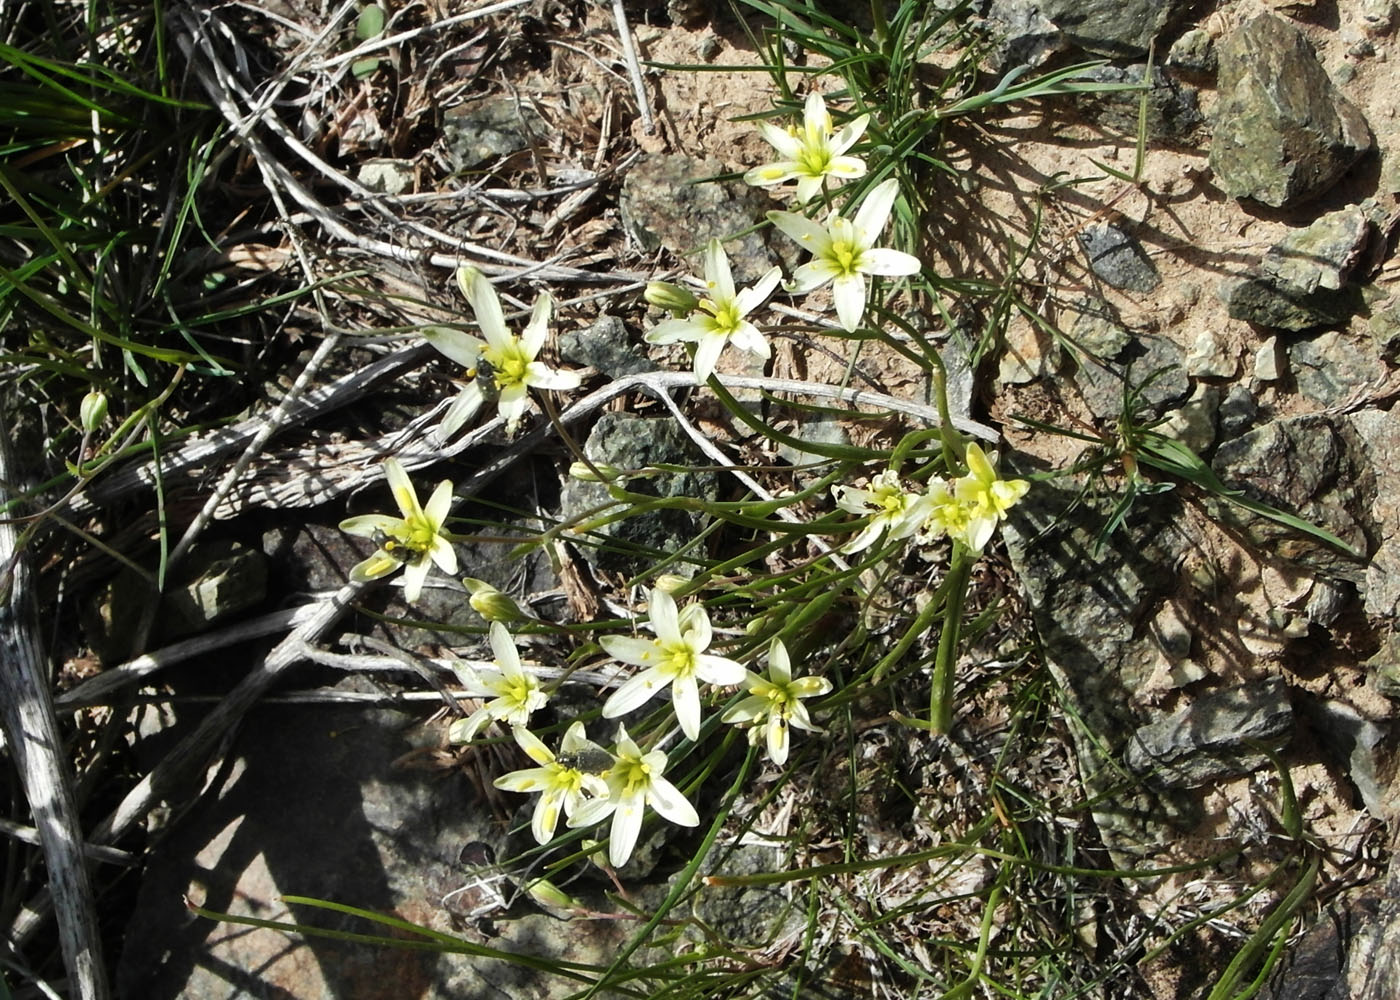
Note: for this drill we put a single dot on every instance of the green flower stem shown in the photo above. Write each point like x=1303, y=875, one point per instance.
x=940, y=711
x=919, y=627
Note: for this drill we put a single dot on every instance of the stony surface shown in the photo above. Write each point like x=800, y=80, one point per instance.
x=1118, y=259
x=1033, y=30
x=1335, y=368
x=1314, y=466
x=1148, y=358
x=1210, y=738
x=631, y=442
x=1283, y=134
x=490, y=128
x=668, y=200
x=606, y=345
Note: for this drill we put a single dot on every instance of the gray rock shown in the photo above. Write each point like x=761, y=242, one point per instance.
x=637, y=541
x=1093, y=611
x=220, y=579
x=1097, y=332
x=667, y=202
x=490, y=128
x=340, y=804
x=1315, y=967
x=1323, y=255
x=1383, y=667
x=1384, y=326
x=1032, y=30
x=1209, y=738
x=1378, y=16
x=1147, y=357
x=1118, y=259
x=1261, y=300
x=820, y=431
x=1379, y=434
x=605, y=345
x=1238, y=411
x=1283, y=133
x=1313, y=466
x=1193, y=52
x=747, y=916
x=1350, y=740
x=1030, y=353
x=1173, y=108
x=1335, y=367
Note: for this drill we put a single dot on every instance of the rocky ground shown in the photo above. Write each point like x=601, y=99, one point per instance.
x=1246, y=282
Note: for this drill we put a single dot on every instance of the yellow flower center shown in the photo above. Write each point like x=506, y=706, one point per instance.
x=725, y=316
x=815, y=159
x=511, y=368
x=844, y=255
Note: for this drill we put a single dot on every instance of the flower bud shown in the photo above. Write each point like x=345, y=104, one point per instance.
x=664, y=295
x=93, y=410
x=547, y=894
x=670, y=582
x=598, y=472
x=490, y=603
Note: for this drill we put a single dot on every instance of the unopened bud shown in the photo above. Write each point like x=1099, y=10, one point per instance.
x=670, y=582
x=598, y=472
x=546, y=893
x=680, y=301
x=490, y=603
x=93, y=410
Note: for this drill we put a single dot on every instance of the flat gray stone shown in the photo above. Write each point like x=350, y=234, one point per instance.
x=1209, y=738
x=605, y=345
x=1032, y=30
x=1283, y=133
x=636, y=541
x=1335, y=367
x=1259, y=299
x=1118, y=259
x=488, y=129
x=1322, y=255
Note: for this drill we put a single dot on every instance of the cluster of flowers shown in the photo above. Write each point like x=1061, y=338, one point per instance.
x=584, y=782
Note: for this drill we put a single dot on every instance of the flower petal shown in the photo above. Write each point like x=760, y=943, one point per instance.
x=504, y=650
x=746, y=710
x=685, y=696
x=886, y=262
x=414, y=574
x=463, y=408
x=460, y=347
x=531, y=779
x=366, y=525
x=754, y=296
x=812, y=275
x=777, y=734
x=808, y=187
x=848, y=292
x=379, y=564
x=848, y=136
x=846, y=167
x=874, y=211
x=533, y=745
x=626, y=825
x=670, y=804
x=485, y=306
x=465, y=730
x=546, y=817
x=635, y=692
x=402, y=488
x=592, y=811
x=539, y=376
x=719, y=670
x=630, y=649
x=674, y=330
x=439, y=505
x=707, y=353
x=779, y=663
x=808, y=232
x=768, y=174
x=532, y=337
x=789, y=147
x=718, y=278
x=512, y=405
x=444, y=555
x=664, y=617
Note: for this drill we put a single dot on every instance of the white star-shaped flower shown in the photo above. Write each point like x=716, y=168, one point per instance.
x=413, y=540
x=564, y=786
x=812, y=153
x=517, y=692
x=844, y=252
x=505, y=363
x=720, y=318
x=634, y=782
x=676, y=657
x=893, y=510
x=774, y=702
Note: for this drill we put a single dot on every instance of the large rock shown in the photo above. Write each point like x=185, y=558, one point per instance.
x=638, y=539
x=669, y=201
x=1213, y=736
x=1033, y=30
x=1314, y=466
x=1283, y=133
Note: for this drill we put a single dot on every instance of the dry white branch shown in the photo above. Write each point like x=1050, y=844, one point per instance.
x=37, y=750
